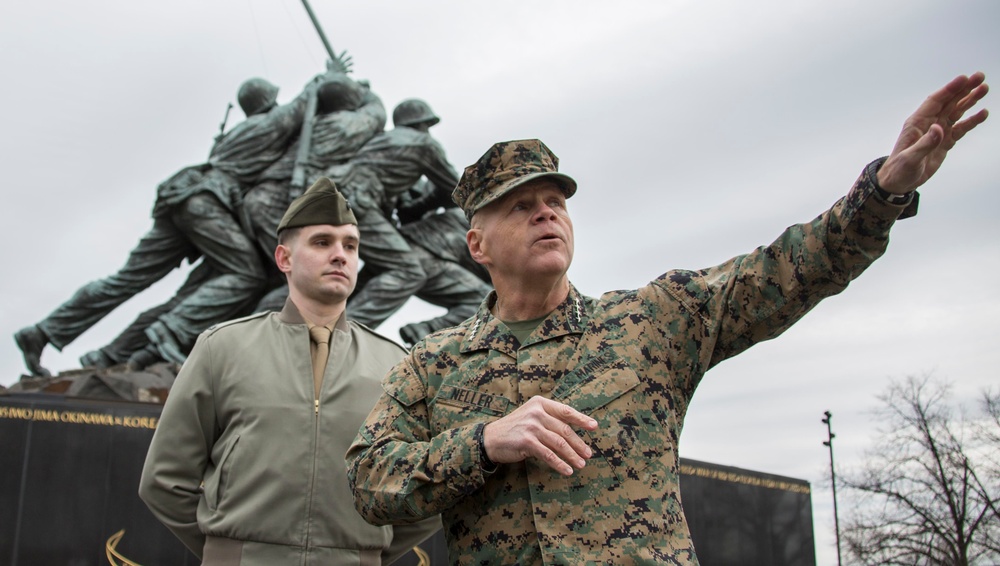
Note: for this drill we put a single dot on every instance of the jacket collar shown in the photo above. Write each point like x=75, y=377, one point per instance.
x=290, y=315
x=489, y=332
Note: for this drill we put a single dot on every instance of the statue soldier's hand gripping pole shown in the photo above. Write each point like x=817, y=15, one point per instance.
x=340, y=62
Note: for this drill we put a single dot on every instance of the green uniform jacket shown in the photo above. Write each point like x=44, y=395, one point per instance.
x=245, y=461
x=631, y=360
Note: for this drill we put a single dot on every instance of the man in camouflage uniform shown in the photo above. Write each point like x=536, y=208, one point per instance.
x=545, y=429
x=194, y=216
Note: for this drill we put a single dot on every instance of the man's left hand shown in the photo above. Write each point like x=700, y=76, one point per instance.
x=931, y=132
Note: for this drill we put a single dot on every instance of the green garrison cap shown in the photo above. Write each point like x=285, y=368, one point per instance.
x=505, y=166
x=321, y=204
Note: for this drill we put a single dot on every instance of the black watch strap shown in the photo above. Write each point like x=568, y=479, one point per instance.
x=487, y=465
x=885, y=195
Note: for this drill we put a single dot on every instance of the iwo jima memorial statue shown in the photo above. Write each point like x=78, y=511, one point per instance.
x=223, y=214
x=78, y=438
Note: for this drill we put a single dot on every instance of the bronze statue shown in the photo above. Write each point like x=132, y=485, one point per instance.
x=347, y=116
x=223, y=214
x=385, y=168
x=194, y=217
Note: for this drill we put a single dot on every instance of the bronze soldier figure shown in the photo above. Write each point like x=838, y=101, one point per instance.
x=194, y=217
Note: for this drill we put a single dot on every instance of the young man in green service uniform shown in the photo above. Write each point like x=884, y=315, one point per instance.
x=247, y=463
x=544, y=429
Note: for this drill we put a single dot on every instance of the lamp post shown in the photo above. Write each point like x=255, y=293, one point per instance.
x=833, y=478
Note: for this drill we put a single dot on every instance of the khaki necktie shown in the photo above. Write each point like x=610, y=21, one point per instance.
x=320, y=336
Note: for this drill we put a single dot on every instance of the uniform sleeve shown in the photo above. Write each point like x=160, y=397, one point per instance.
x=179, y=452
x=757, y=296
x=398, y=472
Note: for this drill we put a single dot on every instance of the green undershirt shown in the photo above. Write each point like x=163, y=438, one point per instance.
x=523, y=328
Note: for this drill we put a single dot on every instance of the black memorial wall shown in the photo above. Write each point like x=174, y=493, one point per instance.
x=70, y=469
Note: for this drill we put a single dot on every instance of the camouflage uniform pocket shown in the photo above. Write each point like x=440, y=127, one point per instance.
x=629, y=435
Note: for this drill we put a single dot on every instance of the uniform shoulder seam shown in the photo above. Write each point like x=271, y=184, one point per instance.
x=216, y=327
x=371, y=332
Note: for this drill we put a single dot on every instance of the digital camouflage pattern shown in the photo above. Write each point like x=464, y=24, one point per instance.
x=504, y=167
x=631, y=360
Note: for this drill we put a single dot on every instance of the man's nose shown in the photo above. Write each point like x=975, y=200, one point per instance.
x=337, y=254
x=545, y=212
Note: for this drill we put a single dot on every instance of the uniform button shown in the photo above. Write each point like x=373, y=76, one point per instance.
x=546, y=388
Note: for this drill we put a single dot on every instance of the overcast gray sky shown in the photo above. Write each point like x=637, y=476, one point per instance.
x=696, y=130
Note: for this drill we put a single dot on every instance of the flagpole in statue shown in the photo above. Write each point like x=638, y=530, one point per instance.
x=322, y=36
x=298, y=182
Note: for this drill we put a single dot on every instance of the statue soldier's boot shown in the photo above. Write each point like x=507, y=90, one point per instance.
x=165, y=343
x=31, y=340
x=96, y=359
x=143, y=358
x=414, y=332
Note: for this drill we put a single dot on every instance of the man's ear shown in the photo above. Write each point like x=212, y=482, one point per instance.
x=283, y=258
x=474, y=239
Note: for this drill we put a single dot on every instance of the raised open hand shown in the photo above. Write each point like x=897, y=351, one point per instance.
x=931, y=132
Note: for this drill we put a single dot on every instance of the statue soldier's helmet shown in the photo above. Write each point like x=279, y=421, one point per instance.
x=338, y=93
x=413, y=111
x=256, y=96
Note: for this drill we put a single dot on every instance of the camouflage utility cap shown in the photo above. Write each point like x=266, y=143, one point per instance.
x=321, y=204
x=506, y=166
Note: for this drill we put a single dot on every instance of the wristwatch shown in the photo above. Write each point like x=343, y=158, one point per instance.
x=488, y=466
x=891, y=198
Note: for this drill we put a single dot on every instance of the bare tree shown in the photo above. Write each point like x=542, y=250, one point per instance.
x=929, y=490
